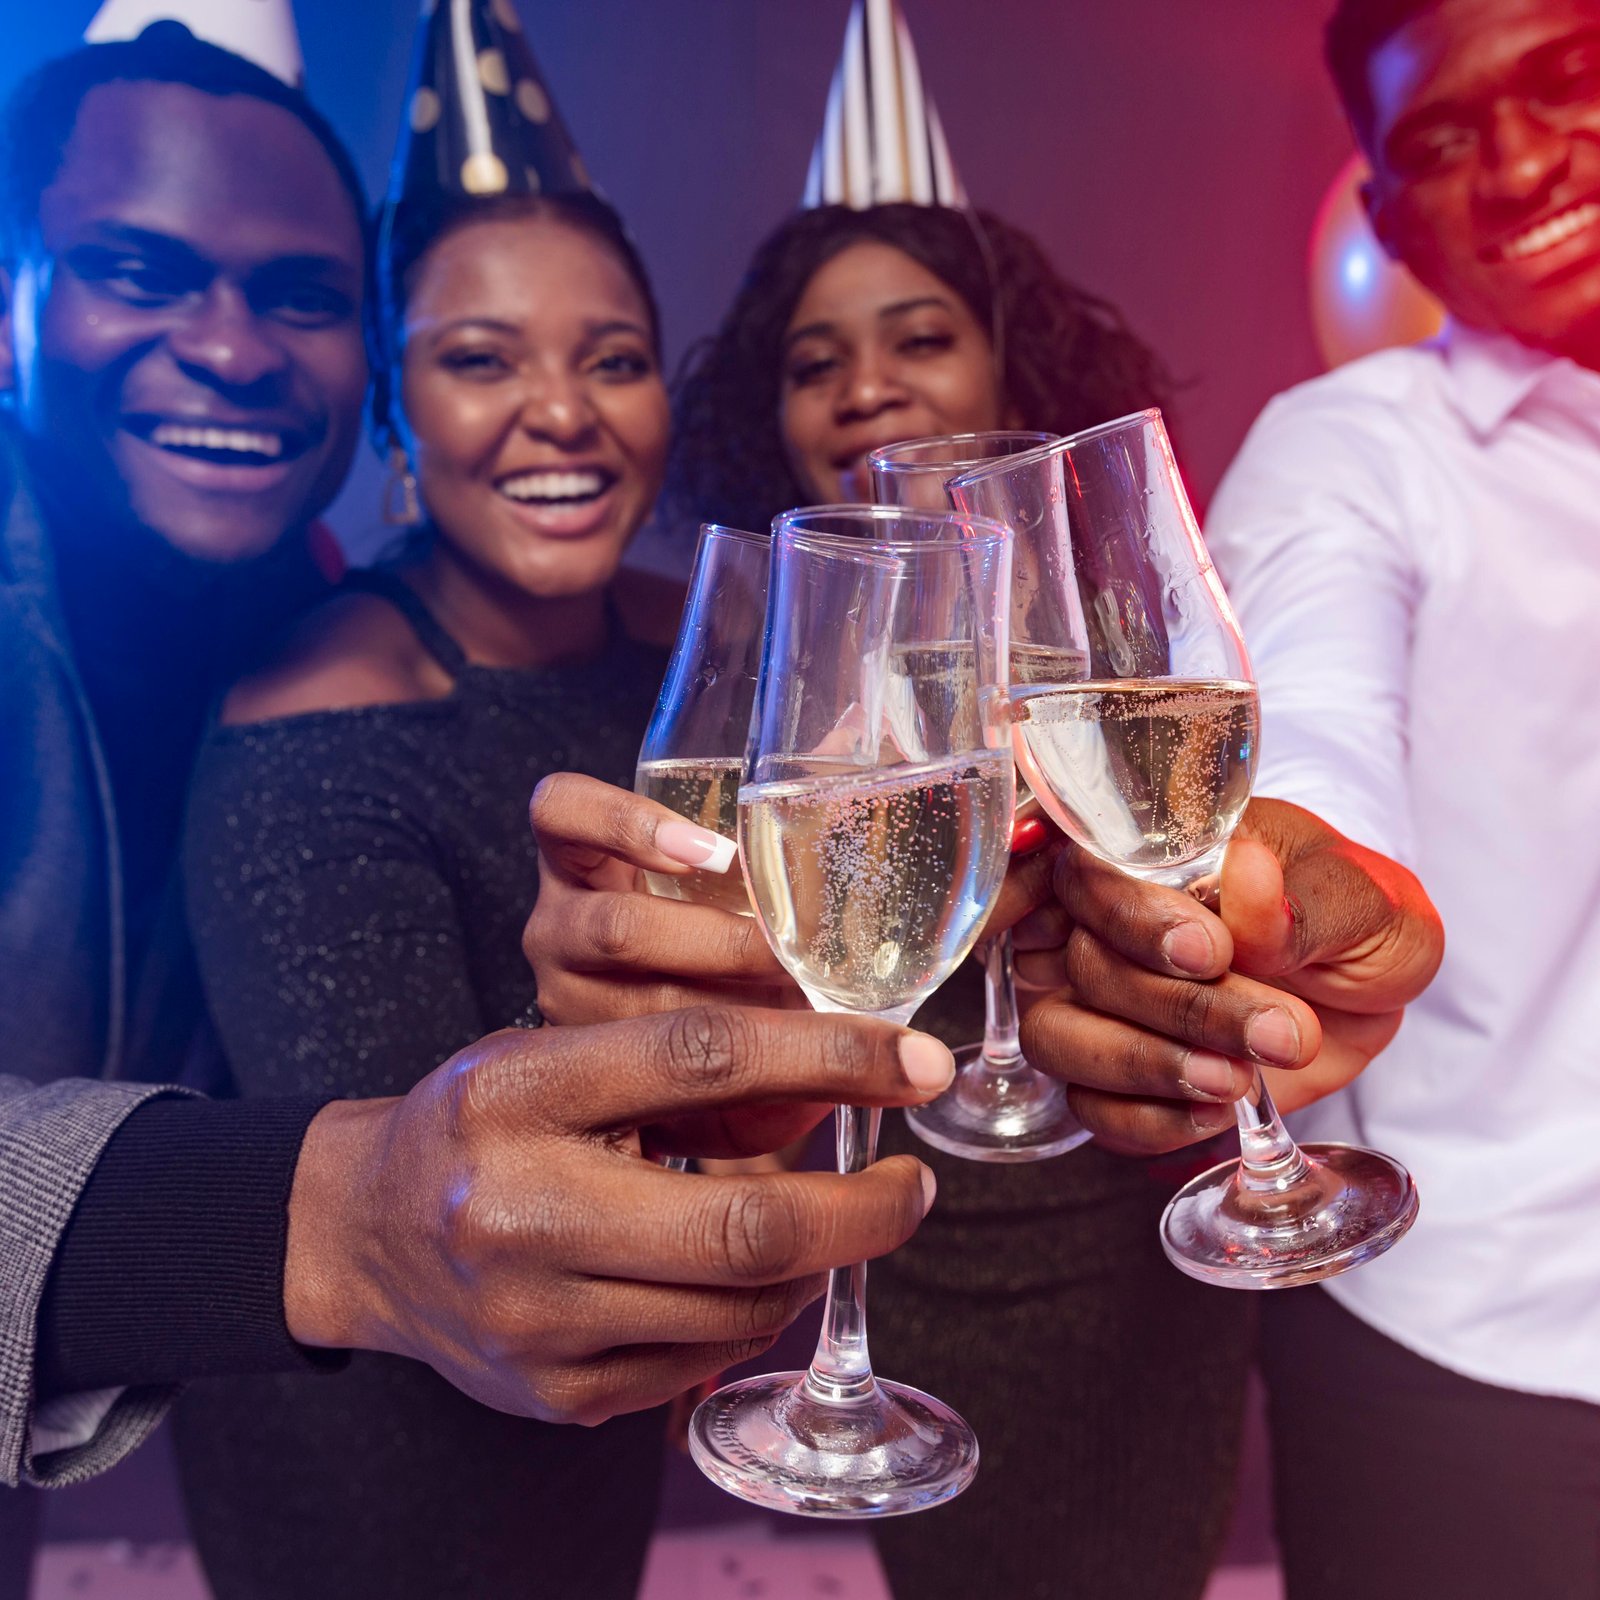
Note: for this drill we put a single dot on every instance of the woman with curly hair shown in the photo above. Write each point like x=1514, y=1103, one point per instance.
x=1105, y=1387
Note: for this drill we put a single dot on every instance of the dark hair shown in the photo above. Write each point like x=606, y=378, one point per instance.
x=1067, y=358
x=39, y=117
x=408, y=234
x=1354, y=32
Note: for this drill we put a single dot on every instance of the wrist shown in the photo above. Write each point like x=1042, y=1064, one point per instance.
x=329, y=1300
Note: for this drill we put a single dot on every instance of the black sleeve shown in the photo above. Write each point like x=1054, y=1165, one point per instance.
x=326, y=923
x=172, y=1264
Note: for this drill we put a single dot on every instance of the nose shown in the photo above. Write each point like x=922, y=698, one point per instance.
x=1523, y=158
x=223, y=342
x=870, y=387
x=557, y=407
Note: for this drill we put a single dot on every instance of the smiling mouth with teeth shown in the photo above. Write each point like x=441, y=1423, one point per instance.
x=557, y=488
x=232, y=447
x=1548, y=234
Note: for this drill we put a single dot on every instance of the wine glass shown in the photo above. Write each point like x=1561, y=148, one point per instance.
x=874, y=828
x=1148, y=764
x=999, y=1108
x=692, y=757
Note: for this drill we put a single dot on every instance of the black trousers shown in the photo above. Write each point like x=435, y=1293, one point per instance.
x=19, y=1517
x=1396, y=1479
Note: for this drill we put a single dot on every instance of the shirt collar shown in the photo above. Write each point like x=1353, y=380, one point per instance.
x=1494, y=376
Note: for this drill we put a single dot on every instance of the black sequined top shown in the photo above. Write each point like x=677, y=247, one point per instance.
x=358, y=880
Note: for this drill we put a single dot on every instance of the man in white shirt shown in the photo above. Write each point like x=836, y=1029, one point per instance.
x=1413, y=544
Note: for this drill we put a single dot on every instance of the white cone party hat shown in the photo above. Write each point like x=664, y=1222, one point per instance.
x=882, y=142
x=261, y=31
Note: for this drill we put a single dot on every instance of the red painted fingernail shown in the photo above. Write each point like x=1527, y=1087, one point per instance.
x=1027, y=836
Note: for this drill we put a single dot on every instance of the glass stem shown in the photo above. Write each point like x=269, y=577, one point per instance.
x=1002, y=1048
x=841, y=1370
x=1269, y=1160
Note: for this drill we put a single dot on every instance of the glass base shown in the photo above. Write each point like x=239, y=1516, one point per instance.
x=771, y=1441
x=985, y=1115
x=1346, y=1206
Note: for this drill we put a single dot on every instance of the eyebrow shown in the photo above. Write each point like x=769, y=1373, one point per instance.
x=592, y=330
x=1433, y=112
x=166, y=247
x=898, y=308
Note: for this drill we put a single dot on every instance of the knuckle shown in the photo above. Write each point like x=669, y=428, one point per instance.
x=706, y=1047
x=765, y=1312
x=1084, y=958
x=616, y=926
x=760, y=1232
x=1194, y=1013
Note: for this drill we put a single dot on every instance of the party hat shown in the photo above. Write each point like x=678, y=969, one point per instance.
x=881, y=141
x=261, y=31
x=479, y=120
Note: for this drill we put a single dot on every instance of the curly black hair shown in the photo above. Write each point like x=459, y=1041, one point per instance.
x=1068, y=360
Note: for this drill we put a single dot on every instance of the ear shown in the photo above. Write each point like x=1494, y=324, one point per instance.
x=8, y=360
x=1377, y=211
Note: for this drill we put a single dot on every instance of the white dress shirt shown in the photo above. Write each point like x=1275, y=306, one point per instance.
x=1413, y=545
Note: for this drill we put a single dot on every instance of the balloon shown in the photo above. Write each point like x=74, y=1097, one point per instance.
x=1361, y=301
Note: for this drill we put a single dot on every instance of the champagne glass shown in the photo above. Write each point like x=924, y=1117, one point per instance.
x=692, y=758
x=1148, y=764
x=874, y=828
x=999, y=1108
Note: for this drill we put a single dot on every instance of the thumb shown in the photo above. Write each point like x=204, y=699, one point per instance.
x=597, y=835
x=1255, y=910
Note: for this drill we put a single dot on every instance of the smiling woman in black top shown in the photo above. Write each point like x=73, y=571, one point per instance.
x=359, y=867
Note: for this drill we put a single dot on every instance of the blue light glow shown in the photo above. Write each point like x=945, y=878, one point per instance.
x=1357, y=268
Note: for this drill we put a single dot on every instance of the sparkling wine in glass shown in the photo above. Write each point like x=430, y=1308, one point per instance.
x=1148, y=762
x=999, y=1108
x=692, y=758
x=874, y=827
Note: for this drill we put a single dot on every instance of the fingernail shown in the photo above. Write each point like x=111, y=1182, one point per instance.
x=695, y=846
x=930, y=1187
x=1211, y=1119
x=1207, y=1076
x=927, y=1063
x=1273, y=1037
x=1187, y=948
x=1027, y=836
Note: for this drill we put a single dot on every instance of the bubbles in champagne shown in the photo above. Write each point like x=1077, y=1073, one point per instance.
x=872, y=887
x=1149, y=773
x=707, y=792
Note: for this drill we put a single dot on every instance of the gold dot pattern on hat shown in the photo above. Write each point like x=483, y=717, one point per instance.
x=492, y=73
x=532, y=101
x=484, y=173
x=425, y=108
x=505, y=13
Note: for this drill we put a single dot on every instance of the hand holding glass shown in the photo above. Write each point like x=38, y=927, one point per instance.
x=874, y=826
x=999, y=1108
x=1148, y=763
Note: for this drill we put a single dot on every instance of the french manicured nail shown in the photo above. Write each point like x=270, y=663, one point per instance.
x=696, y=847
x=1273, y=1037
x=1206, y=1076
x=1188, y=948
x=930, y=1187
x=927, y=1063
x=1211, y=1119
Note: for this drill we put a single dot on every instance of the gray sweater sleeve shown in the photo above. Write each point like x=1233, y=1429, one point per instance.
x=50, y=1139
